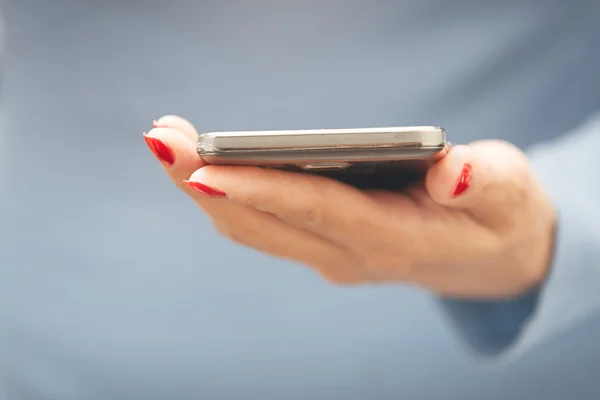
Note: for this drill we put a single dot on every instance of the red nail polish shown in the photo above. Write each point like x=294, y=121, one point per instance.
x=160, y=150
x=464, y=180
x=204, y=189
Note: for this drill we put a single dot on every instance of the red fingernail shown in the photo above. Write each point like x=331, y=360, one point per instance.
x=204, y=189
x=464, y=180
x=160, y=150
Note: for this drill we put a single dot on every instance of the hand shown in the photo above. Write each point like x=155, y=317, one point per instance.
x=479, y=227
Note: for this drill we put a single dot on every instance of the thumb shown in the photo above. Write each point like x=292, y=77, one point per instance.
x=491, y=179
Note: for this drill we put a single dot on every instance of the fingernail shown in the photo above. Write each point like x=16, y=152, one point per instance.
x=204, y=189
x=464, y=180
x=160, y=150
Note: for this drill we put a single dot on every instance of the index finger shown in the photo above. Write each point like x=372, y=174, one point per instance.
x=323, y=206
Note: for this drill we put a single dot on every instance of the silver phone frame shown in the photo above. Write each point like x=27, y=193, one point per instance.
x=323, y=148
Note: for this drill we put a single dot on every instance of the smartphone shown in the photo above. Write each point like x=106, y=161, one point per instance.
x=384, y=158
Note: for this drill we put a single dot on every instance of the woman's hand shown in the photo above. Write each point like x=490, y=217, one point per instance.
x=480, y=226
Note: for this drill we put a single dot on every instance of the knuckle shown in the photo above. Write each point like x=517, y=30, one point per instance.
x=242, y=235
x=239, y=234
x=519, y=193
x=314, y=216
x=235, y=237
x=247, y=230
x=338, y=278
x=221, y=228
x=248, y=199
x=387, y=267
x=343, y=272
x=259, y=202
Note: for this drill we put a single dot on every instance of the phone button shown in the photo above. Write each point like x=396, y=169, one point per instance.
x=326, y=167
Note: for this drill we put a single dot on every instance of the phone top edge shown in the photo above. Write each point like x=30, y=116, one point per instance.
x=426, y=136
x=298, y=132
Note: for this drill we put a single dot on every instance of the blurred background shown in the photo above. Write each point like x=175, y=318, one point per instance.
x=114, y=286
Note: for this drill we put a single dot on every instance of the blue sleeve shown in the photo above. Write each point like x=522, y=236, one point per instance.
x=570, y=171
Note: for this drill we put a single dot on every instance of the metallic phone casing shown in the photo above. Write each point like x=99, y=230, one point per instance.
x=365, y=158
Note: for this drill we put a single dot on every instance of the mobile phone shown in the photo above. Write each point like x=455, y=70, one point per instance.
x=385, y=158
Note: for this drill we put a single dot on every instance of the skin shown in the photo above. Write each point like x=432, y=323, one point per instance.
x=493, y=241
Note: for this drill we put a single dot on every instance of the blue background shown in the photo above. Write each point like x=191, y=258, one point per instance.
x=113, y=285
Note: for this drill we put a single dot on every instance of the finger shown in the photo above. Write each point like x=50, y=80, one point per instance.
x=173, y=121
x=181, y=161
x=489, y=179
x=325, y=207
x=269, y=235
x=245, y=225
x=178, y=156
x=176, y=152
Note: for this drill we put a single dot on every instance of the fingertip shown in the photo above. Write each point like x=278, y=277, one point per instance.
x=160, y=150
x=174, y=121
x=200, y=175
x=227, y=175
x=451, y=177
x=167, y=120
x=172, y=148
x=236, y=181
x=204, y=189
x=169, y=135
